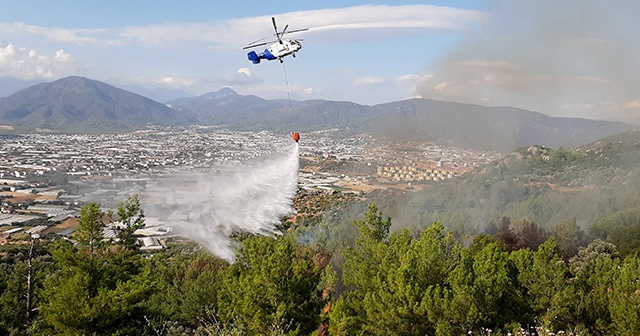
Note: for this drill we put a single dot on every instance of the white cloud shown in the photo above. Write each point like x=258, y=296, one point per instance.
x=246, y=71
x=408, y=78
x=360, y=21
x=177, y=82
x=390, y=17
x=243, y=76
x=412, y=79
x=442, y=87
x=412, y=83
x=192, y=84
x=369, y=81
x=28, y=64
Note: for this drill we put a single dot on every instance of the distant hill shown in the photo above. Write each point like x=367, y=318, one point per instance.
x=481, y=127
x=78, y=104
x=226, y=107
x=418, y=120
x=547, y=186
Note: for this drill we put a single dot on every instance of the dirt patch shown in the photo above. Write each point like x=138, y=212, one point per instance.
x=367, y=187
x=66, y=224
x=18, y=197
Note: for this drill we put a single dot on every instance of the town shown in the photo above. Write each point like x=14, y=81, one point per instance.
x=47, y=178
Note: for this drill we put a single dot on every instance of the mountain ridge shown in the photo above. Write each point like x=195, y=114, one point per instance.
x=77, y=104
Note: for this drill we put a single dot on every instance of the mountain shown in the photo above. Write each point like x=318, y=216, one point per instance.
x=77, y=104
x=226, y=107
x=418, y=120
x=481, y=127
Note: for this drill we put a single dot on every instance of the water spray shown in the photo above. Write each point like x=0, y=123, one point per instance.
x=209, y=207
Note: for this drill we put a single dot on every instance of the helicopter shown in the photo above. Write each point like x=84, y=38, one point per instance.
x=277, y=49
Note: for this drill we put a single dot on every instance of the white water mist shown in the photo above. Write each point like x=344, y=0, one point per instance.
x=209, y=207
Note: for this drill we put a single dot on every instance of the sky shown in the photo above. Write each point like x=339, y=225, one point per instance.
x=571, y=58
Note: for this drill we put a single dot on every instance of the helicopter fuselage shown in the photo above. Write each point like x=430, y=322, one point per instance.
x=277, y=50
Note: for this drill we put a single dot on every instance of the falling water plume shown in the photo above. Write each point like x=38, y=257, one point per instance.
x=209, y=207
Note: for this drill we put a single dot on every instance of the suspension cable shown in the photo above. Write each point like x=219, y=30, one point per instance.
x=286, y=81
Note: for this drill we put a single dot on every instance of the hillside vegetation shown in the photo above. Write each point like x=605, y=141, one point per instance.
x=382, y=284
x=524, y=198
x=543, y=185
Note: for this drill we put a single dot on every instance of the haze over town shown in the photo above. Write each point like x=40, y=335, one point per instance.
x=575, y=58
x=196, y=182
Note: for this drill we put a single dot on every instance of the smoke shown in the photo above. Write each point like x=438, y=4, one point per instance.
x=562, y=58
x=209, y=207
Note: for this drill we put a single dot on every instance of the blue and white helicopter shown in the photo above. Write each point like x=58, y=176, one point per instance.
x=277, y=49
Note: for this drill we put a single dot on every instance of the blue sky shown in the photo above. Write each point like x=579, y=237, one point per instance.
x=567, y=58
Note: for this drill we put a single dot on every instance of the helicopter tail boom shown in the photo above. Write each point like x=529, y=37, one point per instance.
x=253, y=57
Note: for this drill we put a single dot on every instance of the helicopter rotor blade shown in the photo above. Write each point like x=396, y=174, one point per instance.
x=284, y=31
x=275, y=27
x=250, y=46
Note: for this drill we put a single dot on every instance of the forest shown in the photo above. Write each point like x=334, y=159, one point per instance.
x=543, y=242
x=519, y=280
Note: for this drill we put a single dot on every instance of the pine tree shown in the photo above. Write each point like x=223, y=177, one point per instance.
x=94, y=290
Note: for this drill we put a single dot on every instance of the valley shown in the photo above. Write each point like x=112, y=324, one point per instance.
x=72, y=170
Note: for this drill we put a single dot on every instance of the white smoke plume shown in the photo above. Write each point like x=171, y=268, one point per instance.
x=208, y=207
x=562, y=58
